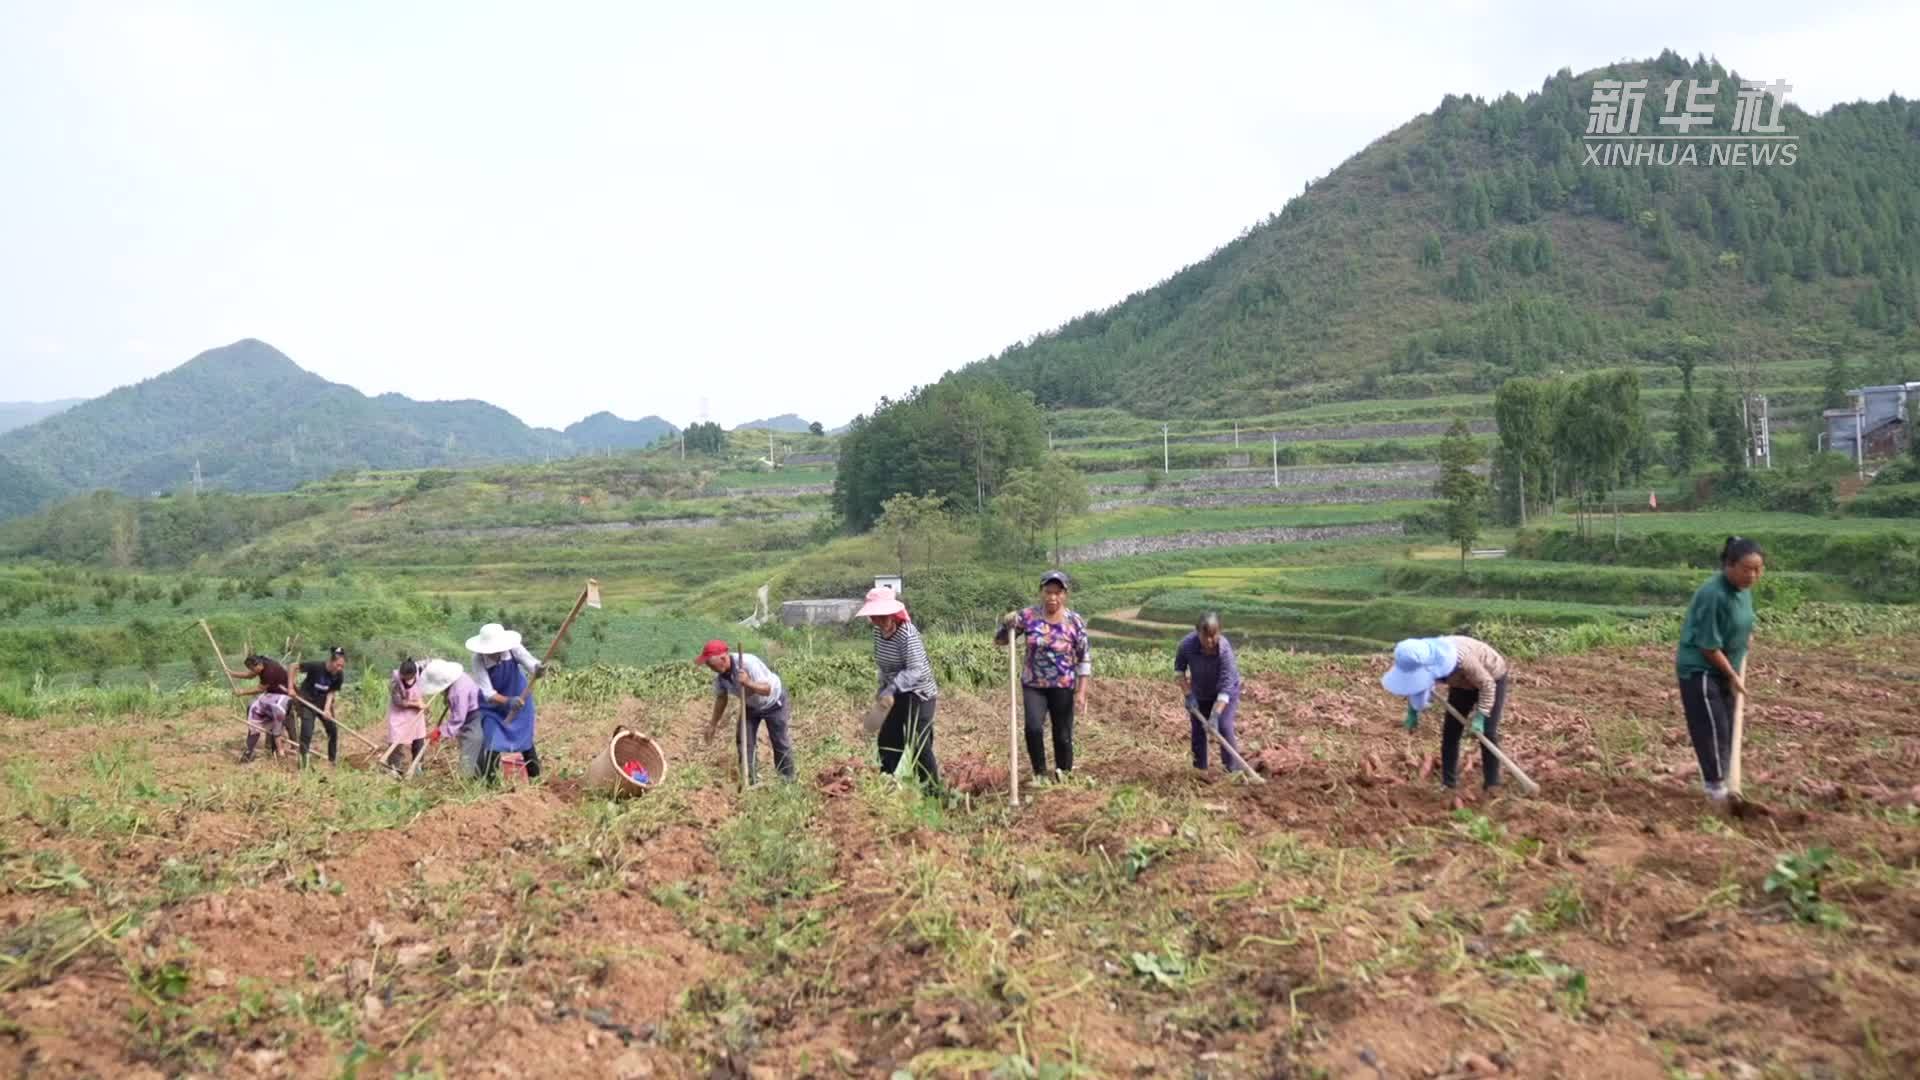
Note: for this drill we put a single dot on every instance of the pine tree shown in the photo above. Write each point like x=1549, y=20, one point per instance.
x=1689, y=425
x=1839, y=380
x=1464, y=491
x=1729, y=434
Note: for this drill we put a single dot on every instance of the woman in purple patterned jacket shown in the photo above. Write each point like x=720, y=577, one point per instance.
x=1055, y=676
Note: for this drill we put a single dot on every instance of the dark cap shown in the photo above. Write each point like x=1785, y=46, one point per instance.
x=1055, y=577
x=338, y=650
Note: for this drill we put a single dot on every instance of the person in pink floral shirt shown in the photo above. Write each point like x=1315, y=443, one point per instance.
x=1057, y=668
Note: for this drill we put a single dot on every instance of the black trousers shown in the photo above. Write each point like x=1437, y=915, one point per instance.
x=490, y=763
x=908, y=729
x=1707, y=699
x=1451, y=731
x=307, y=717
x=1043, y=703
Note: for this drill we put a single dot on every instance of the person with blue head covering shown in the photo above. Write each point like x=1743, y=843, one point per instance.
x=1475, y=675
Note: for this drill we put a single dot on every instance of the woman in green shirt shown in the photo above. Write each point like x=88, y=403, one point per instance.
x=1712, y=655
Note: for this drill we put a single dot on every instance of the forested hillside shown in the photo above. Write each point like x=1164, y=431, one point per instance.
x=253, y=420
x=1474, y=243
x=603, y=431
x=18, y=414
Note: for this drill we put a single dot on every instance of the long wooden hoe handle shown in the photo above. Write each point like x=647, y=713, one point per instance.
x=220, y=656
x=1013, y=719
x=740, y=680
x=1739, y=732
x=1225, y=746
x=1518, y=773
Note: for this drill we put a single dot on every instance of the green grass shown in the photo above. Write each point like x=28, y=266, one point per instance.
x=1168, y=521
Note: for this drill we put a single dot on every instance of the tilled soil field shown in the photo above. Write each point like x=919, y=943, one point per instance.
x=169, y=912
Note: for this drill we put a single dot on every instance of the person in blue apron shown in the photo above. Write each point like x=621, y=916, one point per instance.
x=506, y=699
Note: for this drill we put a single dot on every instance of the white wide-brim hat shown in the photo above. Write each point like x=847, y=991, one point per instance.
x=493, y=638
x=437, y=675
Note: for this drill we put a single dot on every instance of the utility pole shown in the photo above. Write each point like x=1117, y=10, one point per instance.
x=196, y=476
x=1236, y=434
x=771, y=463
x=1276, y=460
x=1746, y=428
x=683, y=446
x=1166, y=461
x=1766, y=432
x=1860, y=439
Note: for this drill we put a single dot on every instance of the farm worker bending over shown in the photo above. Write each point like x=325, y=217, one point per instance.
x=1712, y=655
x=1211, y=680
x=271, y=673
x=267, y=715
x=463, y=712
x=406, y=715
x=766, y=701
x=320, y=681
x=1476, y=680
x=504, y=672
x=907, y=691
x=1054, y=680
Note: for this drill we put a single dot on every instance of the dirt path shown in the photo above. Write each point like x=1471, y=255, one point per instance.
x=167, y=911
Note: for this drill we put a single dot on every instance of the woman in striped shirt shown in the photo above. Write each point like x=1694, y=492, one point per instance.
x=907, y=692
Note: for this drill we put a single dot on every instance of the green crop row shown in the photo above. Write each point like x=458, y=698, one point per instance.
x=1514, y=579
x=1882, y=563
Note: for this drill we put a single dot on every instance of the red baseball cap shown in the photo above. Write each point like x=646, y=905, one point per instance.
x=713, y=648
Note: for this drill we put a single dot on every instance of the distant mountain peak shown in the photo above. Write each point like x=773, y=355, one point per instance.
x=248, y=356
x=785, y=422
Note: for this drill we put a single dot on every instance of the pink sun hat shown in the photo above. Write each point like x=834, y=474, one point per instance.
x=880, y=601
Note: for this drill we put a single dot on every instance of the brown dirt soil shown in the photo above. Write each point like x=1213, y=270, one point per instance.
x=168, y=912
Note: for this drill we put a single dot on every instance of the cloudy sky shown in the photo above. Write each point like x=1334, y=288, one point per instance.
x=759, y=208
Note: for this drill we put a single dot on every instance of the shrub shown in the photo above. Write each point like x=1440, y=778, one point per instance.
x=1887, y=500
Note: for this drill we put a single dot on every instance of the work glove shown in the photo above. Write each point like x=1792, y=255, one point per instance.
x=1009, y=618
x=1193, y=703
x=542, y=670
x=1412, y=721
x=433, y=737
x=514, y=704
x=1479, y=723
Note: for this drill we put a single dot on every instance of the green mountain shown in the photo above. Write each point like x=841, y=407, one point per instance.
x=787, y=423
x=253, y=421
x=18, y=414
x=1477, y=242
x=603, y=430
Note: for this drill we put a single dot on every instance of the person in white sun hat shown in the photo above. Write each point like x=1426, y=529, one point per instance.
x=462, y=723
x=503, y=670
x=1475, y=677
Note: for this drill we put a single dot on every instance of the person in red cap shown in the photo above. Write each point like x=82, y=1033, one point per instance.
x=766, y=703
